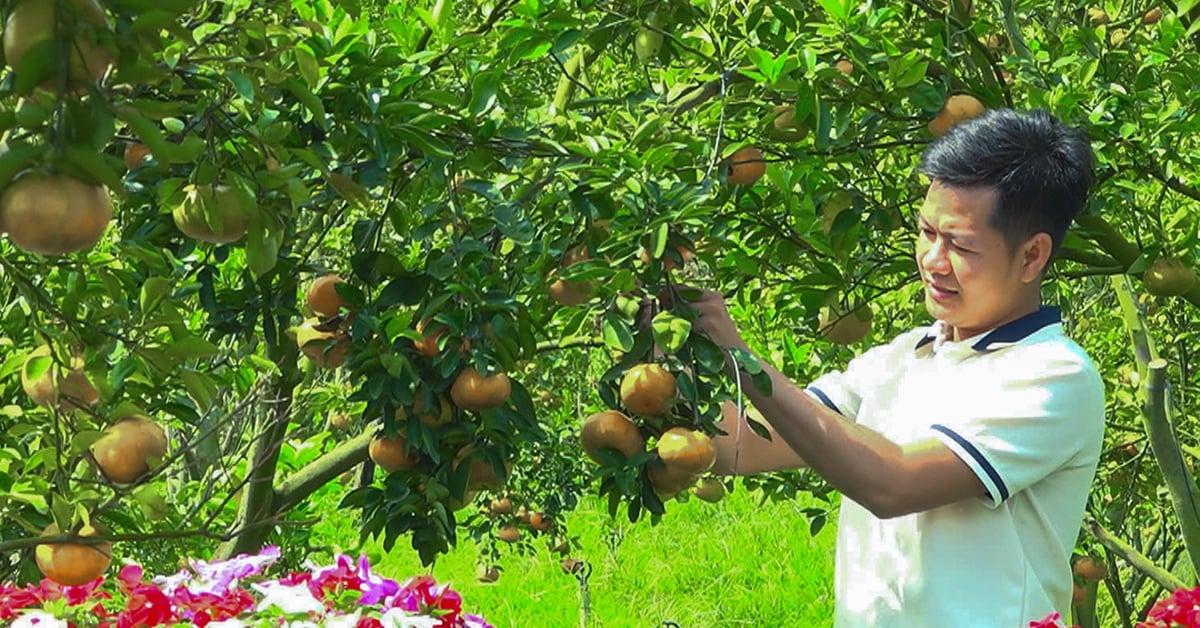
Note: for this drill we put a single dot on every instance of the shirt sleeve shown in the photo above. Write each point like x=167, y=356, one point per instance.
x=1019, y=430
x=843, y=391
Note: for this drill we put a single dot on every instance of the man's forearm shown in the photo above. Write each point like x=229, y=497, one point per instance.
x=860, y=462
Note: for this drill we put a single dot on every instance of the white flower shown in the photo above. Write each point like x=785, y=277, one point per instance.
x=229, y=623
x=288, y=599
x=399, y=618
x=39, y=619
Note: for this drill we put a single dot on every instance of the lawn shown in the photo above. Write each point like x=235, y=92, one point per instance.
x=736, y=563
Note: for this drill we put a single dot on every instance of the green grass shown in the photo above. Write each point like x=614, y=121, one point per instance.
x=736, y=563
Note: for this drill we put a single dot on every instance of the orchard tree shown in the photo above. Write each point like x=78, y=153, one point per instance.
x=254, y=245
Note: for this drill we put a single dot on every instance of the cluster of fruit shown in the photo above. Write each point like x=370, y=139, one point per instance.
x=128, y=450
x=683, y=454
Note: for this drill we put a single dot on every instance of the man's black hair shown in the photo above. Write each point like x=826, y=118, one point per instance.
x=1040, y=168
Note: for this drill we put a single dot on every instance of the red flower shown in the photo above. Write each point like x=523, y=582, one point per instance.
x=1182, y=608
x=368, y=622
x=422, y=594
x=207, y=607
x=146, y=605
x=13, y=599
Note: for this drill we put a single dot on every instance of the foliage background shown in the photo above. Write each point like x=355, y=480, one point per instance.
x=444, y=156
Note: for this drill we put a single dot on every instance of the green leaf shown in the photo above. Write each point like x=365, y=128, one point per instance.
x=839, y=10
x=16, y=159
x=309, y=100
x=242, y=84
x=310, y=69
x=671, y=332
x=154, y=290
x=617, y=333
x=190, y=347
x=92, y=167
x=483, y=92
x=262, y=250
x=423, y=141
x=200, y=387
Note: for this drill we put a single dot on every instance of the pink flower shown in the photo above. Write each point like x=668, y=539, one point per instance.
x=422, y=594
x=203, y=608
x=345, y=575
x=13, y=599
x=1053, y=620
x=1181, y=608
x=145, y=604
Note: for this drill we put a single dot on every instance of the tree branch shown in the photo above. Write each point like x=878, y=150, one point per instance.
x=1136, y=559
x=319, y=472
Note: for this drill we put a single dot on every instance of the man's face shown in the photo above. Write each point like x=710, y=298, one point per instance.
x=972, y=280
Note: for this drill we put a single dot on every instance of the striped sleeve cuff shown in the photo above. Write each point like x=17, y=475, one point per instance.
x=997, y=491
x=823, y=398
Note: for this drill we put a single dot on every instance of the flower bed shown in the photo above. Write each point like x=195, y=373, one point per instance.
x=1181, y=609
x=235, y=594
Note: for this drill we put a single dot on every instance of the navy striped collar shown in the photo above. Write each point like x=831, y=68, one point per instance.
x=1013, y=331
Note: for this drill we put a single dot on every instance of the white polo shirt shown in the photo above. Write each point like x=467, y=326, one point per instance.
x=1023, y=406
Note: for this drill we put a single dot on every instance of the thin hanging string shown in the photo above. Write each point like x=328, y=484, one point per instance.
x=716, y=153
x=737, y=431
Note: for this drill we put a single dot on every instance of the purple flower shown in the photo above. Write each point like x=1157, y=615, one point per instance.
x=219, y=577
x=343, y=574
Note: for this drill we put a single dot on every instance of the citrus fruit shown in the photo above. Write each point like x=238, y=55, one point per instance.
x=611, y=429
x=646, y=389
x=476, y=393
x=73, y=564
x=54, y=214
x=746, y=166
x=690, y=451
x=126, y=450
x=323, y=298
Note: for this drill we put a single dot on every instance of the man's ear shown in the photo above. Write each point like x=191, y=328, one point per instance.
x=1035, y=257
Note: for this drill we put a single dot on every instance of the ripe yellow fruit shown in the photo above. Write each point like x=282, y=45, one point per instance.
x=481, y=474
x=313, y=341
x=575, y=292
x=613, y=429
x=54, y=214
x=1090, y=569
x=478, y=393
x=442, y=415
x=689, y=451
x=668, y=480
x=509, y=534
x=127, y=449
x=73, y=564
x=784, y=125
x=323, y=298
x=501, y=506
x=646, y=389
x=389, y=453
x=958, y=108
x=746, y=166
x=135, y=155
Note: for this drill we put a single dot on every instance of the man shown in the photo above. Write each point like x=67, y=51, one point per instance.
x=965, y=450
